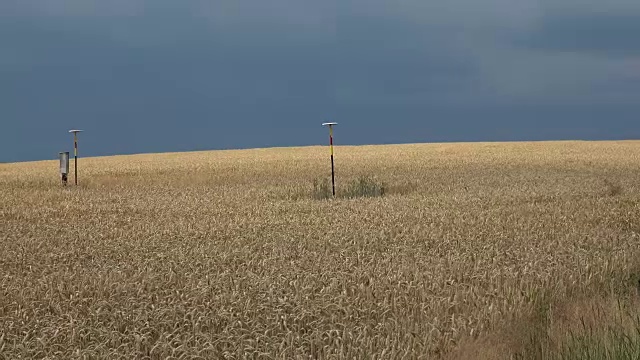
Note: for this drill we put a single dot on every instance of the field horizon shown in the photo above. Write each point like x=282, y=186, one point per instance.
x=492, y=250
x=294, y=147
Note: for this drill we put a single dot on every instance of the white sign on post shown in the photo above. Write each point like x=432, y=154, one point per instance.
x=64, y=166
x=64, y=163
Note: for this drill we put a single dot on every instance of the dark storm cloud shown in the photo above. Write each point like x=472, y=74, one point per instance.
x=383, y=60
x=196, y=74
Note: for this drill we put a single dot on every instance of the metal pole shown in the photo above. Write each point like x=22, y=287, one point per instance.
x=75, y=156
x=75, y=153
x=333, y=174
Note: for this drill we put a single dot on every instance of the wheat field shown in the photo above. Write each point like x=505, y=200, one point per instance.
x=228, y=255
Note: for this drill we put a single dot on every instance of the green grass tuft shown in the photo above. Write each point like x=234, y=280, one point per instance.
x=363, y=186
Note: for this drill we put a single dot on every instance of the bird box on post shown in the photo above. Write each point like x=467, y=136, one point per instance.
x=64, y=166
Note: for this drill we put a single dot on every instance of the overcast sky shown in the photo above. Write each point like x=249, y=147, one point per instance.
x=168, y=75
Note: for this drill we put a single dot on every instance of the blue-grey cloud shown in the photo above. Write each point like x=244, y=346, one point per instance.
x=599, y=34
x=196, y=74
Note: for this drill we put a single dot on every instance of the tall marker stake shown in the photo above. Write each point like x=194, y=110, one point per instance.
x=75, y=153
x=333, y=173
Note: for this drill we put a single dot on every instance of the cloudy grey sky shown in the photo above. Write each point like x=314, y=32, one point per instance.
x=168, y=75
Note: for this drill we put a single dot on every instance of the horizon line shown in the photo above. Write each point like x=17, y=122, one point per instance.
x=327, y=145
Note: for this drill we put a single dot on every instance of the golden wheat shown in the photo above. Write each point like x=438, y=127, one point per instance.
x=226, y=254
